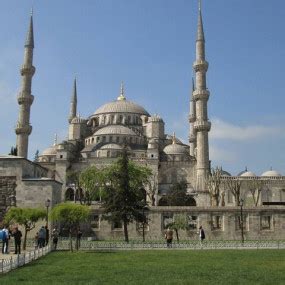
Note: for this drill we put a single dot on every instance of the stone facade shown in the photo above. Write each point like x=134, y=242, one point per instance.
x=98, y=140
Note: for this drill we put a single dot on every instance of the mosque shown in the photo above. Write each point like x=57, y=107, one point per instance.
x=98, y=140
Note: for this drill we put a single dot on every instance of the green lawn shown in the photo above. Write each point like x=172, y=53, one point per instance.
x=154, y=267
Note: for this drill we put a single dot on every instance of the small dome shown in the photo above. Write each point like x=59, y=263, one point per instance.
x=121, y=106
x=111, y=146
x=175, y=149
x=225, y=173
x=50, y=151
x=247, y=174
x=271, y=173
x=115, y=129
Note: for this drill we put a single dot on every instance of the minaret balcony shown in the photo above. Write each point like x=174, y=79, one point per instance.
x=22, y=129
x=192, y=118
x=201, y=94
x=202, y=126
x=25, y=98
x=200, y=65
x=27, y=70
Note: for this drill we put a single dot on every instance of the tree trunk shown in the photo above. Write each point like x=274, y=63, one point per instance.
x=70, y=240
x=126, y=231
x=25, y=239
x=177, y=236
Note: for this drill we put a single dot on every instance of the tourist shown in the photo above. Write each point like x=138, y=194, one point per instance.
x=42, y=237
x=5, y=240
x=47, y=235
x=201, y=234
x=169, y=237
x=17, y=234
x=54, y=236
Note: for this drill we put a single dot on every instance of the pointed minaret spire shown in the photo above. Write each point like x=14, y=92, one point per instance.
x=73, y=103
x=201, y=95
x=25, y=98
x=200, y=31
x=122, y=92
x=30, y=34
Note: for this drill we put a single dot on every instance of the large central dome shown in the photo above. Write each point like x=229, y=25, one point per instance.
x=121, y=105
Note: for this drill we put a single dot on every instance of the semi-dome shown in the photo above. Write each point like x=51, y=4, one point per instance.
x=175, y=149
x=225, y=173
x=50, y=151
x=111, y=146
x=115, y=129
x=247, y=174
x=270, y=173
x=121, y=106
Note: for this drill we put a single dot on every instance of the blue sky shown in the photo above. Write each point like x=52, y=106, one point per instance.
x=150, y=45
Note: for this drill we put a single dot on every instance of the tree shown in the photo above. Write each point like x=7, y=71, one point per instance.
x=36, y=157
x=152, y=189
x=27, y=217
x=91, y=180
x=180, y=223
x=177, y=195
x=255, y=187
x=213, y=184
x=14, y=151
x=124, y=194
x=234, y=186
x=71, y=215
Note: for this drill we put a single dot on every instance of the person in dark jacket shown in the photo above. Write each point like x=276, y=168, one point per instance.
x=17, y=237
x=202, y=235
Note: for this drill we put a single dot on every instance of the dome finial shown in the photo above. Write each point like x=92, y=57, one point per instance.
x=122, y=92
x=55, y=139
x=173, y=138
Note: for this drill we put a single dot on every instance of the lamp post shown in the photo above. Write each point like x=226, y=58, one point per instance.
x=241, y=219
x=47, y=204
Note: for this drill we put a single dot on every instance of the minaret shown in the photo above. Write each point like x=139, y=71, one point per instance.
x=192, y=119
x=25, y=98
x=73, y=103
x=201, y=95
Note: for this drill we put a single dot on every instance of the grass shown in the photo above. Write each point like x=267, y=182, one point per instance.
x=153, y=267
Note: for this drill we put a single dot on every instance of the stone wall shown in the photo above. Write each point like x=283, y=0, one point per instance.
x=266, y=223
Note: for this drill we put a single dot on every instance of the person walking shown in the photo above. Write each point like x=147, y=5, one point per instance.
x=5, y=240
x=42, y=237
x=47, y=235
x=202, y=235
x=54, y=236
x=169, y=237
x=17, y=237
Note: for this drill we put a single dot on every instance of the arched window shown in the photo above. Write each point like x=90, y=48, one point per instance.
x=69, y=194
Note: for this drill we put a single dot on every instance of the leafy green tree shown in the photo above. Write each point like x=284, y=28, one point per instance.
x=26, y=217
x=13, y=151
x=180, y=223
x=91, y=180
x=124, y=194
x=36, y=157
x=177, y=195
x=71, y=215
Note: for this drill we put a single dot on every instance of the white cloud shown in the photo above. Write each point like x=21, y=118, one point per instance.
x=222, y=155
x=227, y=131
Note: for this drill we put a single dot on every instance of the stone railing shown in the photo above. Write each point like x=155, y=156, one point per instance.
x=85, y=245
x=13, y=262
